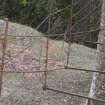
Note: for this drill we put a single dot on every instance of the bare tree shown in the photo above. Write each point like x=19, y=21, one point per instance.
x=98, y=83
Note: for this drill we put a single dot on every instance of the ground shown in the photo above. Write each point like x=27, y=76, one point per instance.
x=28, y=54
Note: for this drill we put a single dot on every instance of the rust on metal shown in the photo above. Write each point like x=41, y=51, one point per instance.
x=87, y=70
x=3, y=53
x=69, y=31
x=47, y=43
x=76, y=95
x=46, y=70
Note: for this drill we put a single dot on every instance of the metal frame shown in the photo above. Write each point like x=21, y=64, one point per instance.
x=66, y=67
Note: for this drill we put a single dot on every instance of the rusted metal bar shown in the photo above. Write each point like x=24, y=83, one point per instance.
x=58, y=35
x=77, y=69
x=47, y=46
x=39, y=71
x=69, y=28
x=68, y=54
x=3, y=53
x=42, y=23
x=76, y=95
x=87, y=70
x=40, y=55
x=19, y=72
x=57, y=69
x=25, y=36
x=46, y=35
x=46, y=65
x=72, y=68
x=94, y=42
x=83, y=32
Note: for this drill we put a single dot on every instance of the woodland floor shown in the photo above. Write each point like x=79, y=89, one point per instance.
x=26, y=89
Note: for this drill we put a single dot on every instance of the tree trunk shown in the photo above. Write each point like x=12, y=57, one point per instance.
x=2, y=7
x=98, y=83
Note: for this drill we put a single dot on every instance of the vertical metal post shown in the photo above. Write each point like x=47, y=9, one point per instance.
x=70, y=26
x=4, y=44
x=47, y=46
x=40, y=55
x=46, y=64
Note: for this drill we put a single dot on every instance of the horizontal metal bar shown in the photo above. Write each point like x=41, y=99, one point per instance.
x=31, y=71
x=25, y=36
x=77, y=95
x=63, y=68
x=87, y=70
x=50, y=35
x=82, y=32
x=77, y=69
x=57, y=69
x=54, y=35
x=23, y=71
x=94, y=42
